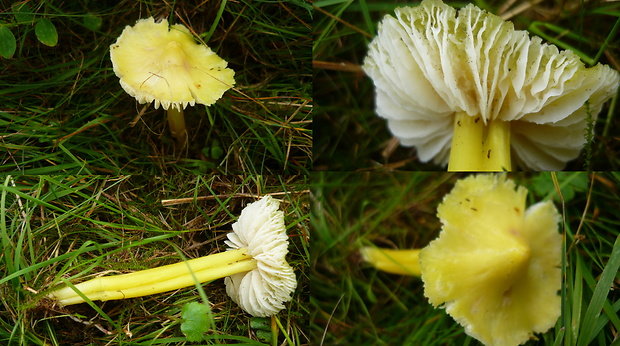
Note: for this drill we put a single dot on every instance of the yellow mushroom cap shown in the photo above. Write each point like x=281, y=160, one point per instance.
x=495, y=266
x=165, y=65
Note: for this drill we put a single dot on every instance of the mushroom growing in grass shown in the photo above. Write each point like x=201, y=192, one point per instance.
x=468, y=90
x=163, y=64
x=495, y=266
x=258, y=278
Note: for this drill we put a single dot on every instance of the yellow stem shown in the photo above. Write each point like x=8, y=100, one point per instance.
x=466, y=143
x=496, y=150
x=403, y=262
x=176, y=122
x=157, y=280
x=477, y=146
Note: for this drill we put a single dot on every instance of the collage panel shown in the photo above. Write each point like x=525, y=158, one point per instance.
x=105, y=260
x=427, y=258
x=467, y=86
x=155, y=87
x=163, y=182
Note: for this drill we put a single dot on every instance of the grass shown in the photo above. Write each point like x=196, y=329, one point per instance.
x=350, y=136
x=64, y=112
x=355, y=304
x=69, y=229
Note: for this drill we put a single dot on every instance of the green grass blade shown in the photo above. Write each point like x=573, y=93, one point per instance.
x=600, y=296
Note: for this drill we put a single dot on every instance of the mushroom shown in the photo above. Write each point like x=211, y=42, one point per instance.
x=164, y=64
x=260, y=230
x=468, y=90
x=257, y=275
x=495, y=265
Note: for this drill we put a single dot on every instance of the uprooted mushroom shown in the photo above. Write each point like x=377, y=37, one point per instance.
x=258, y=277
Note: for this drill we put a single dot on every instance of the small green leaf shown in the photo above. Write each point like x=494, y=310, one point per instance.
x=217, y=152
x=92, y=22
x=570, y=184
x=262, y=327
x=260, y=323
x=206, y=151
x=214, y=152
x=7, y=42
x=46, y=32
x=264, y=336
x=22, y=12
x=195, y=321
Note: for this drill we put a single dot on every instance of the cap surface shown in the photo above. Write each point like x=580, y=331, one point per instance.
x=429, y=62
x=263, y=291
x=495, y=266
x=162, y=64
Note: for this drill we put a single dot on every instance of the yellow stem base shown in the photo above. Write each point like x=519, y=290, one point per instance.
x=479, y=147
x=158, y=280
x=176, y=122
x=403, y=262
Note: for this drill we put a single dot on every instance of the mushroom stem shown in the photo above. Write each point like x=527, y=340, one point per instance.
x=477, y=146
x=176, y=121
x=160, y=279
x=403, y=262
x=496, y=149
x=466, y=143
